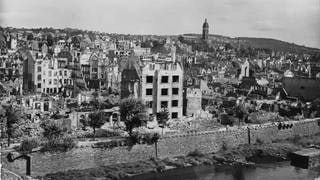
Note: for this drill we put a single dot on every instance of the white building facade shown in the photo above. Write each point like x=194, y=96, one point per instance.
x=162, y=87
x=51, y=75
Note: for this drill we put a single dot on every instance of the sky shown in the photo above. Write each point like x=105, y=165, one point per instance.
x=295, y=21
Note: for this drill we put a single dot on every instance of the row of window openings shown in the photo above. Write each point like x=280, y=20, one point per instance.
x=164, y=79
x=50, y=72
x=164, y=92
x=51, y=90
x=174, y=115
x=55, y=81
x=164, y=104
x=163, y=66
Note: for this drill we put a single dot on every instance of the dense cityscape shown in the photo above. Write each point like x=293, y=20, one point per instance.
x=148, y=103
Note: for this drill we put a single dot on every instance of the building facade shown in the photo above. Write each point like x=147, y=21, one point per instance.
x=159, y=83
x=51, y=75
x=162, y=87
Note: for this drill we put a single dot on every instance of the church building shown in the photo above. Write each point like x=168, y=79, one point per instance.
x=205, y=30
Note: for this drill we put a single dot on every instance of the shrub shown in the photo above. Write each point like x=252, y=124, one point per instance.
x=106, y=133
x=151, y=138
x=296, y=139
x=135, y=138
x=51, y=130
x=27, y=145
x=99, y=133
x=225, y=119
x=59, y=144
x=259, y=141
x=68, y=142
x=196, y=153
x=224, y=146
x=143, y=138
x=110, y=144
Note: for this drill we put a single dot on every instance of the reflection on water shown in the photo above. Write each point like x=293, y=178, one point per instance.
x=275, y=171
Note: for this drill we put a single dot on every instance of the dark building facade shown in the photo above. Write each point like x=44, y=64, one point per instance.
x=28, y=72
x=130, y=77
x=304, y=88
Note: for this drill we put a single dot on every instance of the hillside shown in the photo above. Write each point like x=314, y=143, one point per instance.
x=261, y=43
x=266, y=43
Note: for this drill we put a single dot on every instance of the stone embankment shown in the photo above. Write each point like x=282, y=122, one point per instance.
x=242, y=156
x=173, y=146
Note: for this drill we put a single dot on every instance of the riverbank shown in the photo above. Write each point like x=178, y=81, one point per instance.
x=228, y=157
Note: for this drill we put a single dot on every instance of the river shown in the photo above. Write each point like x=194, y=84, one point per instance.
x=274, y=171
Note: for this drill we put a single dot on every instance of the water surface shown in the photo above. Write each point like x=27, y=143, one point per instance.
x=274, y=171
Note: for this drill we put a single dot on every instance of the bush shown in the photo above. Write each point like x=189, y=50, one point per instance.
x=195, y=153
x=68, y=142
x=261, y=117
x=99, y=133
x=296, y=139
x=135, y=138
x=225, y=119
x=51, y=130
x=59, y=144
x=151, y=138
x=145, y=138
x=224, y=146
x=259, y=141
x=106, y=133
x=28, y=144
x=110, y=144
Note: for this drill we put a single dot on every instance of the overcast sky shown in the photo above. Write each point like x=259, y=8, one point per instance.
x=290, y=20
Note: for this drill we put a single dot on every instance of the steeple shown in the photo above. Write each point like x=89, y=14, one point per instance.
x=205, y=24
x=205, y=30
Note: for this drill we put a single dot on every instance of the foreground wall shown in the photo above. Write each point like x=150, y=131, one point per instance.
x=175, y=145
x=204, y=141
x=269, y=132
x=212, y=141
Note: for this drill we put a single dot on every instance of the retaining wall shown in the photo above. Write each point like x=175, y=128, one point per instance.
x=212, y=141
x=269, y=132
x=175, y=145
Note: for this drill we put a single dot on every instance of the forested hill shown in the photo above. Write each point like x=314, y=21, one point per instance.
x=261, y=43
x=267, y=43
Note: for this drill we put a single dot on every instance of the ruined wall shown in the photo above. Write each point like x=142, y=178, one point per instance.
x=194, y=97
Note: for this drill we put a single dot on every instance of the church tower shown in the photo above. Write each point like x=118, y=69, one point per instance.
x=205, y=30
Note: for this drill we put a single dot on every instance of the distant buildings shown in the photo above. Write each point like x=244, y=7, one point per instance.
x=207, y=72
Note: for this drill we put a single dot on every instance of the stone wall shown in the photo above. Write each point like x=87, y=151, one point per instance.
x=79, y=158
x=212, y=141
x=270, y=131
x=206, y=142
x=175, y=145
